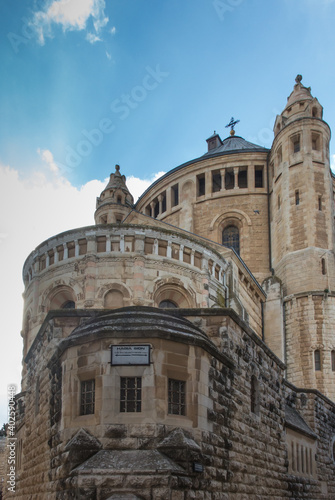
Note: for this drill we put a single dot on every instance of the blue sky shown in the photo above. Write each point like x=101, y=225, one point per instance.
x=86, y=84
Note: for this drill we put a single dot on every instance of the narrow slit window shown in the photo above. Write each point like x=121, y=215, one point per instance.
x=320, y=203
x=156, y=209
x=297, y=197
x=259, y=181
x=333, y=360
x=201, y=184
x=296, y=144
x=280, y=155
x=177, y=397
x=315, y=142
x=254, y=396
x=175, y=195
x=323, y=266
x=317, y=360
x=164, y=202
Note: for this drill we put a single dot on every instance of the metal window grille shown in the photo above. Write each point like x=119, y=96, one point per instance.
x=87, y=397
x=177, y=397
x=130, y=394
x=231, y=238
x=296, y=146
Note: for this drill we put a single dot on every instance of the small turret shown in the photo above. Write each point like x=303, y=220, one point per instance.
x=300, y=104
x=115, y=201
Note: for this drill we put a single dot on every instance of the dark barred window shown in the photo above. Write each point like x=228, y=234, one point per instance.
x=231, y=238
x=130, y=394
x=177, y=397
x=168, y=304
x=87, y=399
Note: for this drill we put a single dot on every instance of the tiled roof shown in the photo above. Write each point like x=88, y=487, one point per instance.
x=235, y=143
x=294, y=420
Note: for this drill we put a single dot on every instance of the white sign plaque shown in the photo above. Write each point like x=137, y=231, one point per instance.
x=130, y=354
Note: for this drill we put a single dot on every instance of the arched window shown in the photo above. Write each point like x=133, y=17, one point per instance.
x=231, y=238
x=169, y=304
x=62, y=297
x=69, y=304
x=113, y=299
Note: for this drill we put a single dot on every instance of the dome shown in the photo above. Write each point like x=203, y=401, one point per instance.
x=137, y=321
x=234, y=144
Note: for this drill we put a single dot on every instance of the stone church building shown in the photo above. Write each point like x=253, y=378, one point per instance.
x=183, y=347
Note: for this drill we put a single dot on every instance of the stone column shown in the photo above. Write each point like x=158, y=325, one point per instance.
x=181, y=253
x=160, y=201
x=122, y=243
x=251, y=177
x=223, y=173
x=139, y=242
x=169, y=250
x=76, y=247
x=168, y=199
x=108, y=243
x=66, y=251
x=192, y=257
x=56, y=256
x=235, y=177
x=152, y=206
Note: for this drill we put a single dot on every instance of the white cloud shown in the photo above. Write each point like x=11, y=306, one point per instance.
x=48, y=158
x=70, y=15
x=113, y=30
x=109, y=56
x=35, y=208
x=92, y=38
x=332, y=163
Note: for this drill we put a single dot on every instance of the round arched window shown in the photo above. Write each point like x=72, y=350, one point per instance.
x=69, y=304
x=231, y=238
x=167, y=304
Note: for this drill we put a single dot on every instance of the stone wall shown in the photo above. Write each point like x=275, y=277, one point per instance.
x=208, y=214
x=309, y=321
x=319, y=414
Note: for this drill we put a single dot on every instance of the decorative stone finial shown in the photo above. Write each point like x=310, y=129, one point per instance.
x=117, y=168
x=232, y=132
x=298, y=78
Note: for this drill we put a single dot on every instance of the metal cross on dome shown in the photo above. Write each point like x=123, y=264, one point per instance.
x=232, y=123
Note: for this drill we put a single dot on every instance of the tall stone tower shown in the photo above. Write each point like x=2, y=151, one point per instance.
x=302, y=238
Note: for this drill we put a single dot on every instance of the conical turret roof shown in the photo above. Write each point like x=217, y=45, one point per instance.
x=299, y=93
